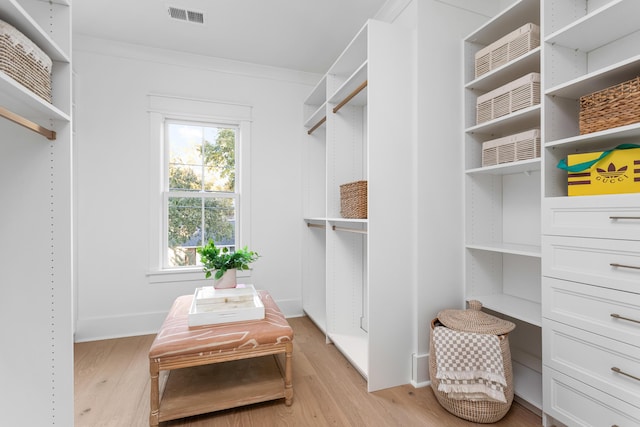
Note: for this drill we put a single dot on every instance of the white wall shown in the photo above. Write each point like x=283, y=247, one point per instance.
x=442, y=25
x=112, y=81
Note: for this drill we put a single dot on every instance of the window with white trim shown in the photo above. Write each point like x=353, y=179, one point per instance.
x=200, y=201
x=199, y=182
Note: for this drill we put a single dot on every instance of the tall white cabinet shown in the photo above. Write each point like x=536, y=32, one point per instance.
x=591, y=244
x=502, y=203
x=356, y=285
x=566, y=269
x=36, y=361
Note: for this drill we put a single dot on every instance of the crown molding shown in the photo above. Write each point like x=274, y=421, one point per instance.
x=83, y=43
x=391, y=9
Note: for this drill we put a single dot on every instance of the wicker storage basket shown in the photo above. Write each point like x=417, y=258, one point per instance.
x=516, y=95
x=508, y=48
x=353, y=199
x=474, y=320
x=512, y=148
x=609, y=108
x=24, y=62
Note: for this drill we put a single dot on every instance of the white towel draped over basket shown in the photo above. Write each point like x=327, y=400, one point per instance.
x=469, y=365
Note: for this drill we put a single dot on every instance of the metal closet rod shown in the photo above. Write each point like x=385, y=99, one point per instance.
x=49, y=134
x=337, y=228
x=310, y=224
x=350, y=96
x=348, y=230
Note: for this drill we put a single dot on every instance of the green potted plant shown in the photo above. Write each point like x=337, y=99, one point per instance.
x=225, y=263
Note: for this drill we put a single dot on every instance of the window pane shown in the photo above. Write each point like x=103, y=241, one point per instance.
x=186, y=216
x=185, y=177
x=185, y=156
x=184, y=223
x=220, y=159
x=220, y=221
x=209, y=153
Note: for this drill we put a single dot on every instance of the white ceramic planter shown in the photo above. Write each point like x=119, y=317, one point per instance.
x=228, y=280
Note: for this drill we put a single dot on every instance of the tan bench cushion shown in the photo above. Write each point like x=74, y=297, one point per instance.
x=177, y=338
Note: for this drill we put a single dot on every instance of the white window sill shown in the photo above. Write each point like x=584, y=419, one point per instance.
x=184, y=275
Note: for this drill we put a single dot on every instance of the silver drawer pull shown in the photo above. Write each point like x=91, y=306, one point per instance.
x=624, y=217
x=621, y=372
x=617, y=316
x=614, y=264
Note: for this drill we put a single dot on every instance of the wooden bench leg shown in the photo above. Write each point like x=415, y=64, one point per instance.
x=154, y=394
x=288, y=375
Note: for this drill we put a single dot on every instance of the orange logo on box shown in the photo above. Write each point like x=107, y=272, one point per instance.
x=611, y=175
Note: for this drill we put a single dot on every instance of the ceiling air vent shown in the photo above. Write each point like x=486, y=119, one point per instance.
x=186, y=15
x=196, y=17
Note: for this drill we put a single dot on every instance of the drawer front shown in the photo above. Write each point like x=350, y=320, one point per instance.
x=585, y=217
x=577, y=404
x=609, y=263
x=605, y=312
x=608, y=365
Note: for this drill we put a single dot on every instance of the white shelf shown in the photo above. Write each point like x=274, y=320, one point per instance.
x=527, y=384
x=527, y=118
x=507, y=248
x=600, y=27
x=597, y=80
x=607, y=137
x=316, y=116
x=315, y=104
x=319, y=317
x=315, y=220
x=20, y=100
x=520, y=13
x=358, y=77
x=349, y=220
x=318, y=95
x=508, y=72
x=523, y=166
x=518, y=308
x=355, y=348
x=353, y=56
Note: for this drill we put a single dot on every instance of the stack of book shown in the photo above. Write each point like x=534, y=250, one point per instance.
x=212, y=306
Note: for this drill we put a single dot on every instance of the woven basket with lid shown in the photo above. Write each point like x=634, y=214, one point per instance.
x=476, y=321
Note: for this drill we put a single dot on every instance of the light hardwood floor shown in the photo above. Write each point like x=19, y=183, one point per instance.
x=112, y=389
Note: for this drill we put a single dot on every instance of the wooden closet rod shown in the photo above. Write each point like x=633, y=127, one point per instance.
x=49, y=134
x=350, y=96
x=309, y=224
x=317, y=125
x=349, y=230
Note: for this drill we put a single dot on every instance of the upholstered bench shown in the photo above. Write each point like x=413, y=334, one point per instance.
x=215, y=367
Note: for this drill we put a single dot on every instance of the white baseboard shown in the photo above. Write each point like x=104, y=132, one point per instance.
x=107, y=327
x=291, y=307
x=420, y=370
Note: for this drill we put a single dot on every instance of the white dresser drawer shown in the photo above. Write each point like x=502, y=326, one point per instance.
x=606, y=312
x=577, y=404
x=608, y=365
x=603, y=262
x=611, y=217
